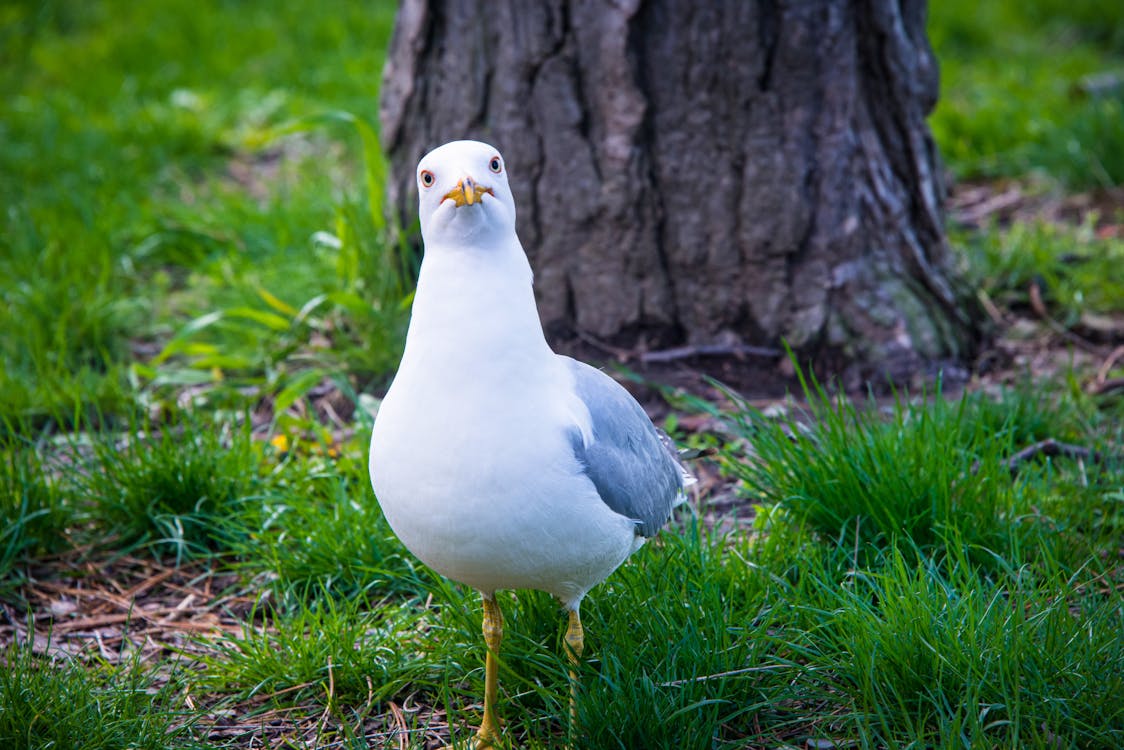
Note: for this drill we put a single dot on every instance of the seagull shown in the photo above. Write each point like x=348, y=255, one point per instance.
x=499, y=463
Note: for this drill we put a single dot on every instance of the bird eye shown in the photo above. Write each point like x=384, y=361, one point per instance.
x=427, y=178
x=495, y=165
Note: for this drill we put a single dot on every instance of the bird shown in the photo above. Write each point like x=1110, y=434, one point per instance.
x=497, y=462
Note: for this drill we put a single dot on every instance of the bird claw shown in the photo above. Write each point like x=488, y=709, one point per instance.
x=476, y=744
x=484, y=743
x=482, y=740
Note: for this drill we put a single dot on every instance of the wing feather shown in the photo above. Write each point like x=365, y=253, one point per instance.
x=635, y=470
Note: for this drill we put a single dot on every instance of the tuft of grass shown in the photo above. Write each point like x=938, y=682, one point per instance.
x=853, y=476
x=926, y=654
x=322, y=531
x=347, y=651
x=937, y=599
x=34, y=517
x=175, y=490
x=1020, y=416
x=44, y=705
x=935, y=475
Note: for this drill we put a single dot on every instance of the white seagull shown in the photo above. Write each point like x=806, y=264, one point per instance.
x=497, y=462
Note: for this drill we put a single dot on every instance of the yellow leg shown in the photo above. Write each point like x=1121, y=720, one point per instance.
x=489, y=732
x=575, y=644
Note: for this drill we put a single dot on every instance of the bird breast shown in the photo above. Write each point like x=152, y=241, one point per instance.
x=479, y=480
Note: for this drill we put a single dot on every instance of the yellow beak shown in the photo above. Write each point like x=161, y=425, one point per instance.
x=468, y=192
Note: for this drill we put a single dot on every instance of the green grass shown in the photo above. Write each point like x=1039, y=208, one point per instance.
x=945, y=601
x=148, y=180
x=684, y=652
x=1016, y=95
x=95, y=707
x=176, y=491
x=1076, y=272
x=833, y=477
x=973, y=607
x=33, y=513
x=320, y=529
x=349, y=651
x=871, y=481
x=927, y=656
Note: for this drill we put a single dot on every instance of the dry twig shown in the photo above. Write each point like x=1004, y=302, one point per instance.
x=1051, y=447
x=400, y=724
x=708, y=350
x=1039, y=307
x=1101, y=383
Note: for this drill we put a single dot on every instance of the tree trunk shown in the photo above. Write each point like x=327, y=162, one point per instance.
x=701, y=172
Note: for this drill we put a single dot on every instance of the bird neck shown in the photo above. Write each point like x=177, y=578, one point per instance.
x=473, y=303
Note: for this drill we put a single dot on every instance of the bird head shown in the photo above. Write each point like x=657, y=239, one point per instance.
x=463, y=194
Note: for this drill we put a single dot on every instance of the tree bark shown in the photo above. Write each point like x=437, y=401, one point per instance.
x=734, y=172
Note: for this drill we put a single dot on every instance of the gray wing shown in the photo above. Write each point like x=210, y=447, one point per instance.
x=636, y=472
